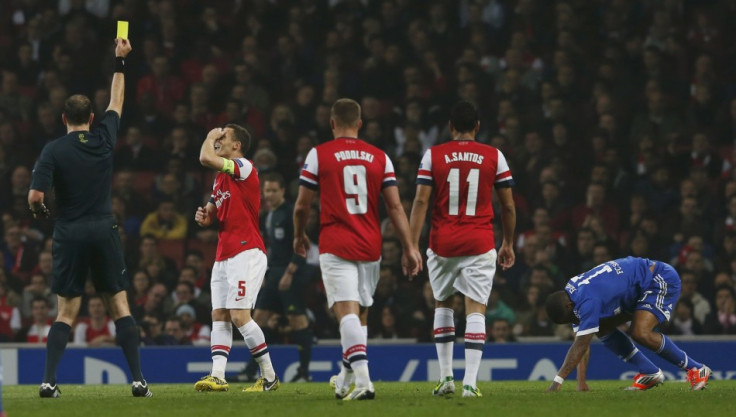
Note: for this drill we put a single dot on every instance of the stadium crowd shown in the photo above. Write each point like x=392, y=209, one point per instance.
x=617, y=117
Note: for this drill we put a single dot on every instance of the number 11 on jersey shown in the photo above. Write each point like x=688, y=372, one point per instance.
x=454, y=179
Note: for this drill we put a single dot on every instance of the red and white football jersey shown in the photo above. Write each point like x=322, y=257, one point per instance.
x=38, y=334
x=463, y=174
x=238, y=201
x=351, y=175
x=84, y=332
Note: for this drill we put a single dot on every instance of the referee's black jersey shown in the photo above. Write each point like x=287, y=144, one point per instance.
x=278, y=228
x=79, y=166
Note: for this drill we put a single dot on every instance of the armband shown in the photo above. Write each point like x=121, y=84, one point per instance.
x=228, y=166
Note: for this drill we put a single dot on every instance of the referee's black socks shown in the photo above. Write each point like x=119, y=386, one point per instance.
x=55, y=346
x=303, y=338
x=129, y=338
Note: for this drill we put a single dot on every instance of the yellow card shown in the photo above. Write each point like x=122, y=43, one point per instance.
x=122, y=29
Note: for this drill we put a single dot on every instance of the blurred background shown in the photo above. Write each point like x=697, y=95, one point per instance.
x=617, y=117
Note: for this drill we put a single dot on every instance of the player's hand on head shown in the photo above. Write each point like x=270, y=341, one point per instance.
x=122, y=47
x=215, y=133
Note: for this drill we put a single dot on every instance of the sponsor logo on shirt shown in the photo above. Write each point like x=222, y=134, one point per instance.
x=220, y=197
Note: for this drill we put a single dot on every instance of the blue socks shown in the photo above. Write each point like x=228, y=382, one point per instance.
x=620, y=344
x=674, y=355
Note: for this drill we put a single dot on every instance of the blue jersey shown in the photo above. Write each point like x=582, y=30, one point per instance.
x=607, y=290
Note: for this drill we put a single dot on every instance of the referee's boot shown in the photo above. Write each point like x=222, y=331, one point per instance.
x=140, y=389
x=49, y=391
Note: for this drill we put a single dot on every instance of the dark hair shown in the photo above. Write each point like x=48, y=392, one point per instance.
x=464, y=117
x=95, y=297
x=240, y=134
x=40, y=298
x=556, y=307
x=77, y=110
x=274, y=177
x=345, y=112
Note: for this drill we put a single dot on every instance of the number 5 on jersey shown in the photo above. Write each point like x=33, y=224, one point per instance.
x=356, y=189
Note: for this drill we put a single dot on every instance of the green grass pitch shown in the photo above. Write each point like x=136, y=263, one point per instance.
x=501, y=399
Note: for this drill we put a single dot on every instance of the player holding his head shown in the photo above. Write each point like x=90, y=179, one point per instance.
x=240, y=261
x=352, y=175
x=86, y=240
x=630, y=289
x=462, y=255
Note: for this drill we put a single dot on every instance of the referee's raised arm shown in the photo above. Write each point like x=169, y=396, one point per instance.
x=117, y=90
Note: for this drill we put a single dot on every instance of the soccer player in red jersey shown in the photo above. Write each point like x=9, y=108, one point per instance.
x=240, y=261
x=352, y=176
x=462, y=255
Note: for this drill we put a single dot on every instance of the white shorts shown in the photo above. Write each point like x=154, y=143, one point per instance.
x=237, y=280
x=349, y=280
x=470, y=275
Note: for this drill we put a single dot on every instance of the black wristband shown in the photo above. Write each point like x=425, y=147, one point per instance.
x=120, y=64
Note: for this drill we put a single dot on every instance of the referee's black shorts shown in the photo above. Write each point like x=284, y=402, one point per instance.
x=88, y=246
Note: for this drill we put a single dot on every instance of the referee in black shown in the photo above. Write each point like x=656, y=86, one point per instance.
x=79, y=167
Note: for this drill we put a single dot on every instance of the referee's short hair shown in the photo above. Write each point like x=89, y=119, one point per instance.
x=241, y=135
x=77, y=110
x=464, y=117
x=345, y=112
x=274, y=177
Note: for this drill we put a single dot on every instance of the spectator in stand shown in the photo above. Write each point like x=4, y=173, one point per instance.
x=153, y=332
x=723, y=319
x=45, y=264
x=20, y=257
x=683, y=322
x=37, y=287
x=135, y=154
x=197, y=332
x=10, y=320
x=165, y=222
x=500, y=331
x=175, y=328
x=595, y=204
x=138, y=292
x=156, y=303
x=97, y=329
x=38, y=330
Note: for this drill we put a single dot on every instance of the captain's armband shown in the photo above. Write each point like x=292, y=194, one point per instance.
x=228, y=166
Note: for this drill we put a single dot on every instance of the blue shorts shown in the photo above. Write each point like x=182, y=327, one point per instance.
x=662, y=294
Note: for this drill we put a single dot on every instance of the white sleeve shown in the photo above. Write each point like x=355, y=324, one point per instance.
x=424, y=174
x=503, y=173
x=389, y=175
x=310, y=170
x=244, y=168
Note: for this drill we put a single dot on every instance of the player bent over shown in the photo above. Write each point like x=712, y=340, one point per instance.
x=629, y=289
x=240, y=261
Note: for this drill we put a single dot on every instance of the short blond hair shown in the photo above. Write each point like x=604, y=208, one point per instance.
x=345, y=112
